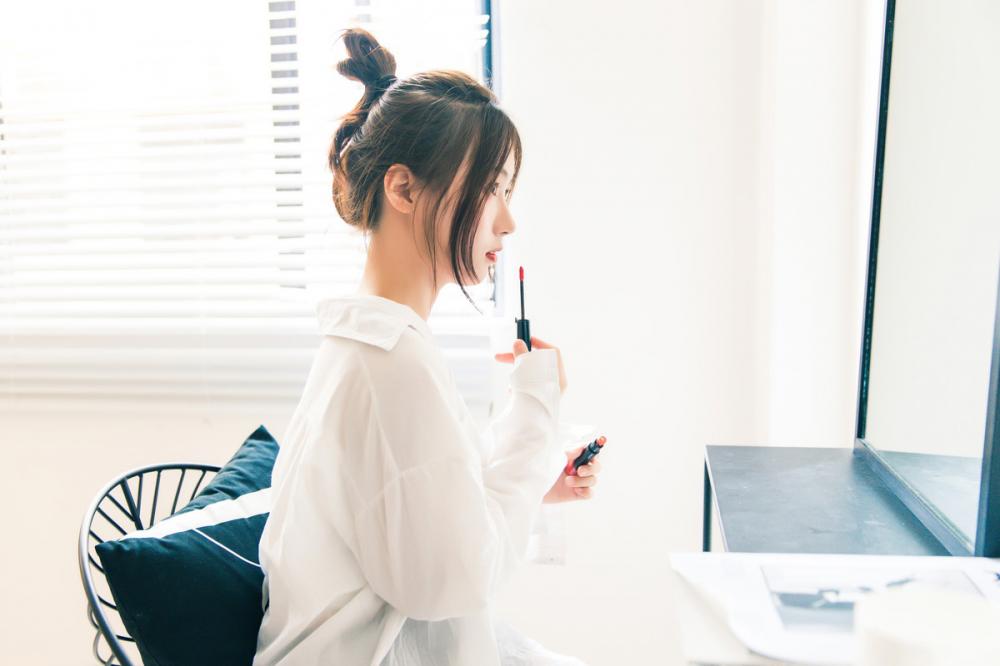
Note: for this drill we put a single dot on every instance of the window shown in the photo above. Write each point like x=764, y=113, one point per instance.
x=167, y=226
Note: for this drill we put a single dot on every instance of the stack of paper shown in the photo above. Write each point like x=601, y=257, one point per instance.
x=800, y=608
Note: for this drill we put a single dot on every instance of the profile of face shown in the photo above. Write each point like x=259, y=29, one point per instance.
x=494, y=223
x=407, y=200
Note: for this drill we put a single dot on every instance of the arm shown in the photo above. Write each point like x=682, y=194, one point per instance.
x=440, y=530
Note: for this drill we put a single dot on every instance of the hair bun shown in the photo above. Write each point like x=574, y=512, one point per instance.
x=385, y=81
x=369, y=62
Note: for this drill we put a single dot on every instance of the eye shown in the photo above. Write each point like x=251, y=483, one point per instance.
x=506, y=193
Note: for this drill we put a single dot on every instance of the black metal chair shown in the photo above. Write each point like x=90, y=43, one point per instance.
x=117, y=510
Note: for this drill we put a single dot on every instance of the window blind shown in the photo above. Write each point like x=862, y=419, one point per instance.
x=167, y=223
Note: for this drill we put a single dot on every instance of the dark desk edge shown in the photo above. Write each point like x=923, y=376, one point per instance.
x=929, y=515
x=853, y=512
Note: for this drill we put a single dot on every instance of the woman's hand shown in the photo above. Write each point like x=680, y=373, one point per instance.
x=579, y=486
x=536, y=343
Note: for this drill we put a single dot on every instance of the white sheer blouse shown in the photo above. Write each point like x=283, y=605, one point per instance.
x=394, y=519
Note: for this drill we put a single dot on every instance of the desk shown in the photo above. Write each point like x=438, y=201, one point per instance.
x=805, y=500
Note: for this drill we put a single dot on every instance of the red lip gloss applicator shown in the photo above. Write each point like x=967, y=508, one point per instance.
x=523, y=327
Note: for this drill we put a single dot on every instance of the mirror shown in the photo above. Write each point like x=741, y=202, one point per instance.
x=933, y=315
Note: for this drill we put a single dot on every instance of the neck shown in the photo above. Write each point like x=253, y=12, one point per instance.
x=395, y=271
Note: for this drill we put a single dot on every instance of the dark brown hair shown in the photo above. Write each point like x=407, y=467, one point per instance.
x=431, y=122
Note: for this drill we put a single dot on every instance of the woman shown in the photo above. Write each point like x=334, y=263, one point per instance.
x=394, y=521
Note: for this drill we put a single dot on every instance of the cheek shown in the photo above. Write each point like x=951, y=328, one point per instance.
x=479, y=245
x=483, y=238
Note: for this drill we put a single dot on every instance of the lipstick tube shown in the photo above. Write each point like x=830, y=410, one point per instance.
x=586, y=455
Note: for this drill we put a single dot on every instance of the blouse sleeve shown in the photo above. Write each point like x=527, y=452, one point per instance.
x=440, y=529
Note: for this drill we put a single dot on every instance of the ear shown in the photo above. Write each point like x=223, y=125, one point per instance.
x=401, y=188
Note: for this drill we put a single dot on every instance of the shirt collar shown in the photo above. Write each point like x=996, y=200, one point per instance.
x=368, y=318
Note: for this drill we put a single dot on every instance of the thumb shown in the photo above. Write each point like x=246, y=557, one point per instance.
x=520, y=347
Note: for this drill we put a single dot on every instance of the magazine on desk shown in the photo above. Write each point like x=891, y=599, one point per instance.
x=800, y=608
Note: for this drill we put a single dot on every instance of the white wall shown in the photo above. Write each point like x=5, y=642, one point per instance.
x=692, y=230
x=818, y=119
x=688, y=213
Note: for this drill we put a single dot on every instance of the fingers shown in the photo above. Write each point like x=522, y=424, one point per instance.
x=585, y=479
x=538, y=342
x=581, y=480
x=519, y=348
x=593, y=467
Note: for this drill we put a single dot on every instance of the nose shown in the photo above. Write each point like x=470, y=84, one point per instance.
x=504, y=222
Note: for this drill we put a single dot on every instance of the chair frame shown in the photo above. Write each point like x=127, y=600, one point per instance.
x=98, y=608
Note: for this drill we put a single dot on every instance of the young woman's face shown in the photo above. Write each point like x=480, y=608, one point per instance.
x=495, y=222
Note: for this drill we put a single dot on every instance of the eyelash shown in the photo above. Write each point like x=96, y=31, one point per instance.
x=494, y=190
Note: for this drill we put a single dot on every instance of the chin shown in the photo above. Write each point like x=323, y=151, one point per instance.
x=484, y=276
x=486, y=272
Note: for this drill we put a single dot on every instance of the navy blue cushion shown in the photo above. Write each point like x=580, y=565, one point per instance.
x=189, y=589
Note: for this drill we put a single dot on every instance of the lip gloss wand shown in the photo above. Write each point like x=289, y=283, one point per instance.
x=523, y=326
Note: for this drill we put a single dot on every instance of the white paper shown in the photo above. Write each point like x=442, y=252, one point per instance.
x=799, y=608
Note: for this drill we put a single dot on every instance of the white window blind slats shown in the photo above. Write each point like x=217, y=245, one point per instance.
x=209, y=226
x=166, y=223
x=159, y=247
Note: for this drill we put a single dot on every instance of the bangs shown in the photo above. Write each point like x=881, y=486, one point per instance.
x=497, y=139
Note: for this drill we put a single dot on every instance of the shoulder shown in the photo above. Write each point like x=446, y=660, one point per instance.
x=347, y=365
x=413, y=366
x=417, y=408
x=373, y=320
x=413, y=381
x=412, y=362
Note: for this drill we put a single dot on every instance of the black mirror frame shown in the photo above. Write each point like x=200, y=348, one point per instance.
x=987, y=539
